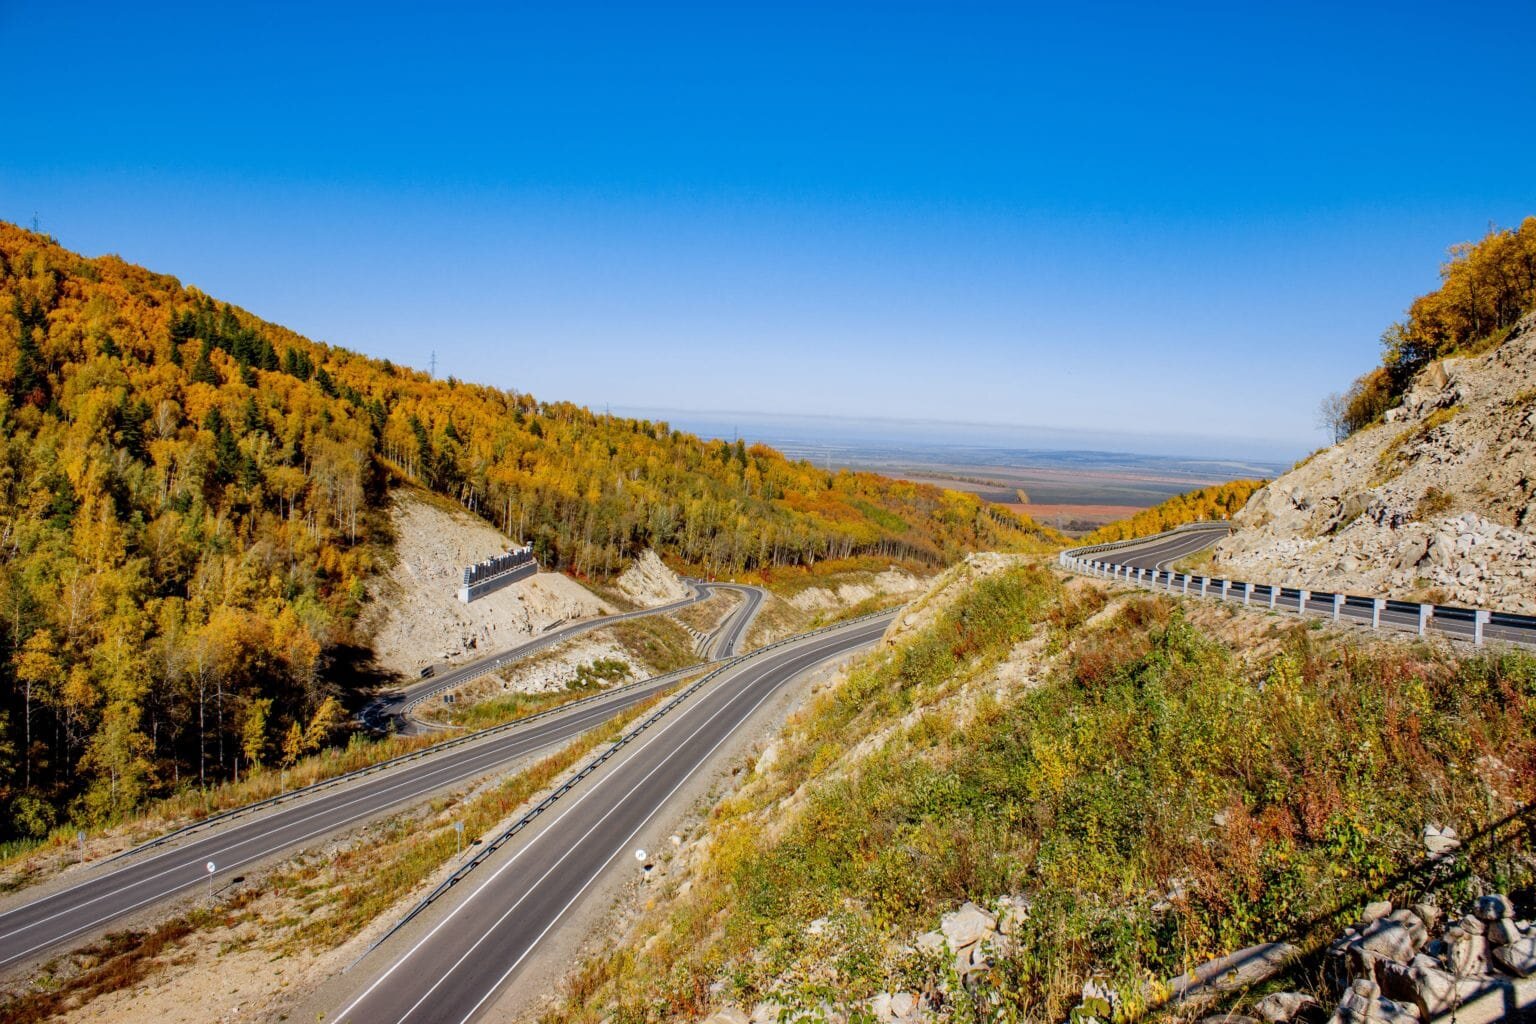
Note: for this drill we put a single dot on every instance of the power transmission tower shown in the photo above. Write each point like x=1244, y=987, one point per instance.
x=432, y=365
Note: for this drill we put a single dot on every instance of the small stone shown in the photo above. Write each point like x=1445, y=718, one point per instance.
x=1518, y=957
x=1375, y=911
x=929, y=942
x=1495, y=907
x=1428, y=913
x=1279, y=1007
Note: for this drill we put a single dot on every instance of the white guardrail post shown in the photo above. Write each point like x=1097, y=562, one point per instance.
x=1153, y=578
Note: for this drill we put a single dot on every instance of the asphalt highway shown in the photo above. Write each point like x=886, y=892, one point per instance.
x=29, y=930
x=399, y=704
x=728, y=638
x=1158, y=553
x=455, y=970
x=32, y=929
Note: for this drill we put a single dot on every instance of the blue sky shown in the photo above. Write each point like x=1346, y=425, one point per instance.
x=1188, y=220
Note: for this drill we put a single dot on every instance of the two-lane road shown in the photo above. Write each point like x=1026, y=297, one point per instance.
x=454, y=971
x=398, y=704
x=110, y=895
x=1157, y=553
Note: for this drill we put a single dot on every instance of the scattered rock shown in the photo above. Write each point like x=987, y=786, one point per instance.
x=967, y=926
x=1279, y=1007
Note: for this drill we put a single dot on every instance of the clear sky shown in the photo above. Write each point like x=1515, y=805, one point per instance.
x=1183, y=219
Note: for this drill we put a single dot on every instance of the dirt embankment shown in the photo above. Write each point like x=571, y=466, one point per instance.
x=417, y=617
x=1436, y=503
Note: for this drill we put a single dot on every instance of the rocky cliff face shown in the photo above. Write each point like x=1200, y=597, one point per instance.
x=1438, y=502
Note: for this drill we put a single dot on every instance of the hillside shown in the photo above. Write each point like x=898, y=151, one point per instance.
x=193, y=502
x=1432, y=495
x=1048, y=796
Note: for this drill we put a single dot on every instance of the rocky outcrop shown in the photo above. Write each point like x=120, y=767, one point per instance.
x=1439, y=501
x=648, y=582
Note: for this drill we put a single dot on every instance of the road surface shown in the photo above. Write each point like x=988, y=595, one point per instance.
x=471, y=951
x=1157, y=553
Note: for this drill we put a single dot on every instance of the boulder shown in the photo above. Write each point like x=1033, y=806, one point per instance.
x=728, y=1015
x=1280, y=1007
x=1440, y=841
x=1518, y=957
x=967, y=926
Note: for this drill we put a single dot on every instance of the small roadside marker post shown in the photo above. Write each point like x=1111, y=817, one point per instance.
x=1338, y=604
x=1226, y=588
x=80, y=838
x=1247, y=594
x=212, y=867
x=1273, y=592
x=458, y=831
x=1479, y=620
x=1377, y=604
x=1426, y=612
x=1301, y=601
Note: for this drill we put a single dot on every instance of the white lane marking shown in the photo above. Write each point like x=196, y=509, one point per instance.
x=656, y=808
x=491, y=991
x=495, y=747
x=229, y=867
x=570, y=808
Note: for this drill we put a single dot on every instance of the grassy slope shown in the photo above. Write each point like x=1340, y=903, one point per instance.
x=1282, y=774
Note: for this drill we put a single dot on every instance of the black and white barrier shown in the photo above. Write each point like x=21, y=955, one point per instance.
x=494, y=573
x=1478, y=625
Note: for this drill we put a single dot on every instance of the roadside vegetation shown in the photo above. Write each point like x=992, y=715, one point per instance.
x=315, y=904
x=1158, y=792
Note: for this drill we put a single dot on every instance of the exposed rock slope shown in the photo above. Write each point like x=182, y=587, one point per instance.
x=421, y=619
x=1437, y=502
x=648, y=582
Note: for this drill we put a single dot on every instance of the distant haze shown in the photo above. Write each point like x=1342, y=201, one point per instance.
x=844, y=439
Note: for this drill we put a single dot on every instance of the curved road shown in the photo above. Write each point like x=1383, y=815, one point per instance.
x=454, y=971
x=144, y=880
x=399, y=704
x=1157, y=553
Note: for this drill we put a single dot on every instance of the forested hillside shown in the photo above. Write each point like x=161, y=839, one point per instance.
x=1219, y=501
x=190, y=504
x=1485, y=287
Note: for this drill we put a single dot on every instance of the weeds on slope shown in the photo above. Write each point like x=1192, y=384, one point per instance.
x=1157, y=802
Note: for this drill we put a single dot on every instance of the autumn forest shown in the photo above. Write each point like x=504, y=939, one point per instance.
x=192, y=503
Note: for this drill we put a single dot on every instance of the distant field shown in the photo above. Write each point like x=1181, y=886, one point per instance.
x=1074, y=518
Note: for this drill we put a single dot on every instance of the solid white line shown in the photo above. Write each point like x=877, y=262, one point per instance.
x=655, y=737
x=618, y=849
x=199, y=876
x=538, y=731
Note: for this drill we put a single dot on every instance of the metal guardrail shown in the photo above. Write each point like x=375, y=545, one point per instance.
x=415, y=755
x=533, y=645
x=1380, y=613
x=591, y=766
